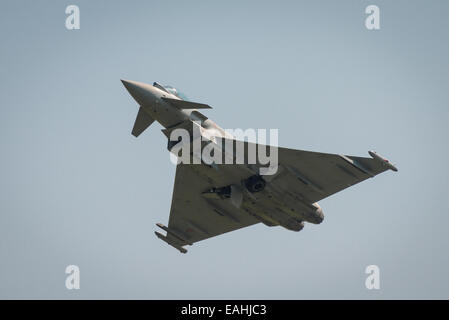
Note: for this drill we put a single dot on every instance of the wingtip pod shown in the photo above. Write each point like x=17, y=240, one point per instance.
x=180, y=237
x=382, y=160
x=164, y=238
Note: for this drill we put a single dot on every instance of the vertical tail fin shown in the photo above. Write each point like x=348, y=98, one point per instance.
x=143, y=121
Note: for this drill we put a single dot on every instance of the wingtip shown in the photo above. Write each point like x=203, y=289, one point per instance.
x=383, y=160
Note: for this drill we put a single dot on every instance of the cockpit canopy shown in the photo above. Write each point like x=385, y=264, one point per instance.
x=171, y=90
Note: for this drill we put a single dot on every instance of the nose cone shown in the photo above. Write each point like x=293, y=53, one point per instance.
x=141, y=92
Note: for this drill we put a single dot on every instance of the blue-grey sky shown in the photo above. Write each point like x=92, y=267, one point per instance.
x=77, y=188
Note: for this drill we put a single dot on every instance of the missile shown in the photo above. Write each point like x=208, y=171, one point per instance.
x=382, y=160
x=164, y=238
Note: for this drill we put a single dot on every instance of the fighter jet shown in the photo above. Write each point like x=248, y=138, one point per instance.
x=211, y=198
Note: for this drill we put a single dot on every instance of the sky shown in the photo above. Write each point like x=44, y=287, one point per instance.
x=77, y=188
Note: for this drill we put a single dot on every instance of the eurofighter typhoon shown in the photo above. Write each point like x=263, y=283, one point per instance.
x=224, y=184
